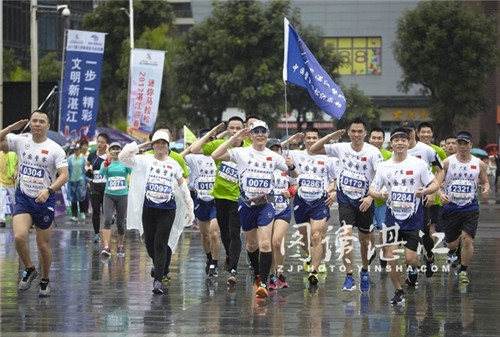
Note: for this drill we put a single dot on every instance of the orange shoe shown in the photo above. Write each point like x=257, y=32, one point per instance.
x=261, y=292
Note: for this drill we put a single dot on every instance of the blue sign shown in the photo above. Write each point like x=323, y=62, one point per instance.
x=81, y=85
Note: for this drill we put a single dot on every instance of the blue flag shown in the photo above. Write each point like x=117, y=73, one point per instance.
x=301, y=68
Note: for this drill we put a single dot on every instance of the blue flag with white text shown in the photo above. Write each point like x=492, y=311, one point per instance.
x=301, y=68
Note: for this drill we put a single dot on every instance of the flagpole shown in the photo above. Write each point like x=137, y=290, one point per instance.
x=286, y=121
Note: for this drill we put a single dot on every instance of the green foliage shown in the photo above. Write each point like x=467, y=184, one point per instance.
x=110, y=19
x=234, y=58
x=49, y=68
x=450, y=50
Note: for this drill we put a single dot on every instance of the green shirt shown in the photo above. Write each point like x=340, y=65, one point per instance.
x=223, y=189
x=386, y=154
x=442, y=156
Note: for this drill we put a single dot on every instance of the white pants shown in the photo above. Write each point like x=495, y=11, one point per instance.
x=6, y=192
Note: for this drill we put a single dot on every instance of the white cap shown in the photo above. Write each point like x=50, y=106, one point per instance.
x=258, y=124
x=160, y=135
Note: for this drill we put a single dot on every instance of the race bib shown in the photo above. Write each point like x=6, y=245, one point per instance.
x=32, y=175
x=353, y=184
x=461, y=192
x=402, y=202
x=280, y=203
x=228, y=171
x=310, y=187
x=257, y=184
x=98, y=178
x=158, y=192
x=203, y=186
x=117, y=183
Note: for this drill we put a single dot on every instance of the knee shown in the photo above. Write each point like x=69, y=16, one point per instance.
x=467, y=241
x=276, y=244
x=316, y=237
x=19, y=238
x=265, y=245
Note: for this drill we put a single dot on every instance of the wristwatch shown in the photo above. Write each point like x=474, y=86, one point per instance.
x=291, y=168
x=51, y=191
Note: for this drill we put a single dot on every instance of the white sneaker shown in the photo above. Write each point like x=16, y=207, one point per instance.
x=44, y=289
x=83, y=216
x=74, y=218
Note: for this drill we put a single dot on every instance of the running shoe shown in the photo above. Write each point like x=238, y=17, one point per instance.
x=44, y=289
x=74, y=219
x=412, y=278
x=282, y=283
x=273, y=282
x=157, y=287
x=83, y=216
x=106, y=251
x=165, y=279
x=463, y=276
x=213, y=271
x=28, y=276
x=313, y=278
x=399, y=297
x=232, y=278
x=364, y=284
x=261, y=291
x=207, y=267
x=307, y=264
x=97, y=238
x=349, y=284
x=120, y=251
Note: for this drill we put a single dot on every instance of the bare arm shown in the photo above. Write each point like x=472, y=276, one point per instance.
x=13, y=127
x=483, y=178
x=62, y=178
x=222, y=153
x=319, y=146
x=197, y=146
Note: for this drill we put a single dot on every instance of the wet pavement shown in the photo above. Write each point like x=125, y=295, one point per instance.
x=92, y=295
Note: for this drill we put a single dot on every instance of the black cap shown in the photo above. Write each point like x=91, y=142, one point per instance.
x=272, y=142
x=408, y=125
x=464, y=135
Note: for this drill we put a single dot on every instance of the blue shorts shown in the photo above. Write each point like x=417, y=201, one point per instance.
x=41, y=213
x=303, y=211
x=379, y=216
x=251, y=218
x=204, y=210
x=286, y=215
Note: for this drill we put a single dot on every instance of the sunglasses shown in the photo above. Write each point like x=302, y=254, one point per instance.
x=259, y=131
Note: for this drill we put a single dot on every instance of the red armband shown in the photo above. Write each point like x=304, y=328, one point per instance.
x=292, y=191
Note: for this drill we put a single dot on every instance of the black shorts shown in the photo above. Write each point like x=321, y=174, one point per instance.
x=411, y=238
x=456, y=222
x=433, y=215
x=350, y=215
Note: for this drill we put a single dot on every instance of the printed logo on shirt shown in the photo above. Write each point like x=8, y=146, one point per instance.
x=363, y=159
x=409, y=173
x=45, y=151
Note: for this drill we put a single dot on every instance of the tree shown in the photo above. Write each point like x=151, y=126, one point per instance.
x=49, y=68
x=109, y=18
x=234, y=58
x=451, y=52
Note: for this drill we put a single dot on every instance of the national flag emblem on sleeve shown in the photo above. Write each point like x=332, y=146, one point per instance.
x=45, y=151
x=269, y=158
x=409, y=173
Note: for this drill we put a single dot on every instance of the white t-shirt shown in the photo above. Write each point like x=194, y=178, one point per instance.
x=161, y=177
x=282, y=182
x=402, y=181
x=38, y=162
x=357, y=170
x=316, y=172
x=202, y=174
x=256, y=170
x=425, y=152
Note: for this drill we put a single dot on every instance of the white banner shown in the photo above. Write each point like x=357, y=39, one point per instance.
x=146, y=73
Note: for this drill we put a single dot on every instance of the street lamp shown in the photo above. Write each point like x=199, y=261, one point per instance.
x=35, y=7
x=130, y=14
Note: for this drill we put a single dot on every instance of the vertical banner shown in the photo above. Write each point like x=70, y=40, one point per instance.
x=146, y=73
x=81, y=84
